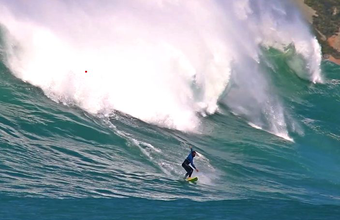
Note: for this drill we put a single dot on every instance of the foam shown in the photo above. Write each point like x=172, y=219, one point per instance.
x=161, y=61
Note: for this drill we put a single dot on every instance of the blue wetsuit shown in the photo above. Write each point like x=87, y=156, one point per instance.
x=185, y=164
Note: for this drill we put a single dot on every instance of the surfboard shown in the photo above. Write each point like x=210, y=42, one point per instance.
x=192, y=179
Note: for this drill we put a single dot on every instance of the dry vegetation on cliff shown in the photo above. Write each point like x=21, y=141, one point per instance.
x=327, y=25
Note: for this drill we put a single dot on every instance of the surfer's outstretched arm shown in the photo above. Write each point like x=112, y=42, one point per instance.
x=192, y=164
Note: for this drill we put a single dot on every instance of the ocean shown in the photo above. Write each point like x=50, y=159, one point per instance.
x=100, y=103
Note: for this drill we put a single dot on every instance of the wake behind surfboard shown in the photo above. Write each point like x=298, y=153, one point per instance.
x=192, y=179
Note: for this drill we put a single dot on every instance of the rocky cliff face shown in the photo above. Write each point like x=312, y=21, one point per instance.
x=334, y=42
x=324, y=15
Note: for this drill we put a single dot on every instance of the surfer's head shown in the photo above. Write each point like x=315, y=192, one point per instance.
x=193, y=153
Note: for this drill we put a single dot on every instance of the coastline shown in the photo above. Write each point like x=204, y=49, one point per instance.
x=333, y=42
x=305, y=10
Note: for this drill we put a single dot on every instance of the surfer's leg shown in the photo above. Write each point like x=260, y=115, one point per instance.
x=190, y=172
x=188, y=169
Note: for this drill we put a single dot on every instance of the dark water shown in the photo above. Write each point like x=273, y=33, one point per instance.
x=59, y=162
x=133, y=208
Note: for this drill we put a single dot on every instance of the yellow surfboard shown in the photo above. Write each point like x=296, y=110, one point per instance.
x=192, y=179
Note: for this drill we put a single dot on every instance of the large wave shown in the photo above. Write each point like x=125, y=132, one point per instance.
x=162, y=61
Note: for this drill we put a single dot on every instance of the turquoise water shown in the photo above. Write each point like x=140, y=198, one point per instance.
x=101, y=102
x=59, y=162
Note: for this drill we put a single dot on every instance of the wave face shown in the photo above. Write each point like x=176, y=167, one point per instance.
x=164, y=62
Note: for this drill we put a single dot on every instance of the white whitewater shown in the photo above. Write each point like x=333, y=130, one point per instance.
x=162, y=61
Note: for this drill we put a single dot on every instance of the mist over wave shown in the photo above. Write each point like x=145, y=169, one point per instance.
x=165, y=62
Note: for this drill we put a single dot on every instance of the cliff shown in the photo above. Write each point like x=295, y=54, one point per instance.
x=324, y=15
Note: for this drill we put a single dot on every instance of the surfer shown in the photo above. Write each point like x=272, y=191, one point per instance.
x=187, y=161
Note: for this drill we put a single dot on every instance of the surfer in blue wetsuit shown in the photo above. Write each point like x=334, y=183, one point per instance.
x=187, y=161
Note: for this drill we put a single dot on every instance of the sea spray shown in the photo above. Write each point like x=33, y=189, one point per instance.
x=160, y=61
